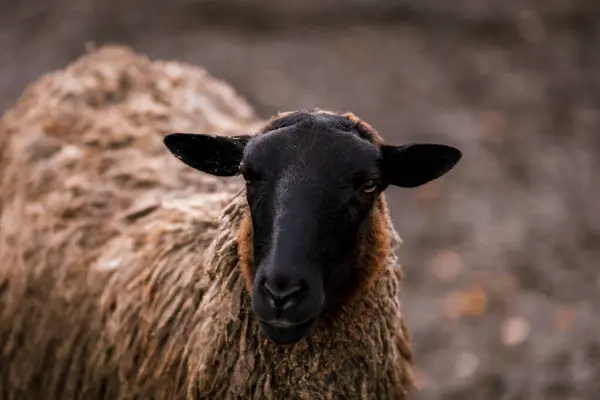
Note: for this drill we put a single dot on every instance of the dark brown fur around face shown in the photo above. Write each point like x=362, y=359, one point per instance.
x=364, y=129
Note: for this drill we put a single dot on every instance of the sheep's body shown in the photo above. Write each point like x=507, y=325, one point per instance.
x=105, y=297
x=116, y=328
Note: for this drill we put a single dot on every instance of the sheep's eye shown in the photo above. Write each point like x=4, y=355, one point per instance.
x=250, y=176
x=369, y=187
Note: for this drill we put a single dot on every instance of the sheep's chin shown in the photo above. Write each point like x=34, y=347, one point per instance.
x=289, y=335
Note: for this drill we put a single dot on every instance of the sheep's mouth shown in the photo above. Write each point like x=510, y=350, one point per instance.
x=285, y=333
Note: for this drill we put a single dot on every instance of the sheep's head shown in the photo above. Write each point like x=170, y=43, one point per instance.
x=315, y=233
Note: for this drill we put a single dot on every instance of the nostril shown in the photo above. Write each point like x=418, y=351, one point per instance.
x=282, y=293
x=283, y=297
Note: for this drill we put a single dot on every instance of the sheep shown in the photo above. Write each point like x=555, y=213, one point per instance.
x=212, y=294
x=322, y=307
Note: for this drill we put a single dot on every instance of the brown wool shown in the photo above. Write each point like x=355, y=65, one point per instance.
x=125, y=274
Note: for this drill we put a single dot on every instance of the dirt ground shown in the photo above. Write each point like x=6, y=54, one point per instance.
x=501, y=255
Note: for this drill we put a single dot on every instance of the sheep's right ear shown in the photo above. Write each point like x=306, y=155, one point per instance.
x=212, y=154
x=415, y=164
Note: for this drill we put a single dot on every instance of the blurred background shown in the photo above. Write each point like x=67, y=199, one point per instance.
x=502, y=290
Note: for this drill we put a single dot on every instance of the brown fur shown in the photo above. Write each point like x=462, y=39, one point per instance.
x=120, y=275
x=245, y=249
x=360, y=352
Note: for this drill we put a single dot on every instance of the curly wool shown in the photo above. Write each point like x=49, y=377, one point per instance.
x=120, y=273
x=359, y=351
x=81, y=163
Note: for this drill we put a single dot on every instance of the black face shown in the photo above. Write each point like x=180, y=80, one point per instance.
x=311, y=184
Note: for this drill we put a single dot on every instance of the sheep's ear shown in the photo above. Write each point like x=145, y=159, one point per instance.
x=413, y=165
x=212, y=154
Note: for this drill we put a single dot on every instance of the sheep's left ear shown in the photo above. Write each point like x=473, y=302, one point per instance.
x=413, y=165
x=212, y=154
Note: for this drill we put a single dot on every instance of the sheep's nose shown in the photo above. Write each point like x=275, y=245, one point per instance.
x=283, y=296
